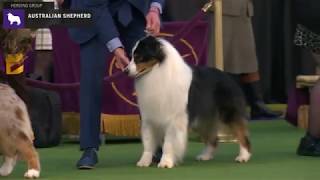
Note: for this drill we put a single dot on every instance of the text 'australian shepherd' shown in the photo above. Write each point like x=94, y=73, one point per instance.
x=16, y=135
x=174, y=96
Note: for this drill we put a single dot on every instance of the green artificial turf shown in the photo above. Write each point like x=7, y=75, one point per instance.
x=274, y=145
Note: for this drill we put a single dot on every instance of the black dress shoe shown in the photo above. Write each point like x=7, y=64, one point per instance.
x=88, y=159
x=254, y=97
x=309, y=146
x=260, y=111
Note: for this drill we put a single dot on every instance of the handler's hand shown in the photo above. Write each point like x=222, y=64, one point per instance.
x=153, y=21
x=121, y=58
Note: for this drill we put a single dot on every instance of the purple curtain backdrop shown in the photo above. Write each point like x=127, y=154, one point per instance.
x=119, y=97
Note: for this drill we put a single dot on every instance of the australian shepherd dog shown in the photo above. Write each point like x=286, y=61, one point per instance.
x=16, y=135
x=173, y=97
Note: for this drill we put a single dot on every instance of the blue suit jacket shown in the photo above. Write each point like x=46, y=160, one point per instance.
x=104, y=25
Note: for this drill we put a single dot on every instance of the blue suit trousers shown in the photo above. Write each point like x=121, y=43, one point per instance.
x=93, y=64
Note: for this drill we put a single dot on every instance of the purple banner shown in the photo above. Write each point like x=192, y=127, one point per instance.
x=119, y=96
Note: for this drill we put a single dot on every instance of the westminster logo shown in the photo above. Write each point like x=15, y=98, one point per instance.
x=13, y=18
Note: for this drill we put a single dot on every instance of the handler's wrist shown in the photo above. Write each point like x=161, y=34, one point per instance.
x=154, y=10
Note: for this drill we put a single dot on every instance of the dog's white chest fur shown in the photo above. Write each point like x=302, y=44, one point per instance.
x=163, y=92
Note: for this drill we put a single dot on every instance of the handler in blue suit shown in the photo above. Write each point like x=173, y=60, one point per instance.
x=118, y=24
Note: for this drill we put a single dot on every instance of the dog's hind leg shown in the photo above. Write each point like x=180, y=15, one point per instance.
x=175, y=143
x=8, y=165
x=149, y=145
x=211, y=143
x=29, y=154
x=241, y=132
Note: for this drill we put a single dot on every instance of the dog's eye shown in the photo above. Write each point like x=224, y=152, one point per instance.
x=137, y=58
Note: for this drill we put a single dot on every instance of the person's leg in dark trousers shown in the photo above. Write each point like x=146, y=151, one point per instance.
x=314, y=112
x=310, y=143
x=250, y=83
x=93, y=67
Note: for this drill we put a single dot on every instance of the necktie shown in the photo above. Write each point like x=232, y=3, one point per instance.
x=125, y=14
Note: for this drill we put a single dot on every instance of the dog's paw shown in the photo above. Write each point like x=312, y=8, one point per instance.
x=166, y=163
x=32, y=174
x=145, y=160
x=204, y=157
x=5, y=171
x=243, y=158
x=143, y=163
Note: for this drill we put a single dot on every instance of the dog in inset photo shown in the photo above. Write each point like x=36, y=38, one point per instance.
x=173, y=96
x=14, y=19
x=16, y=135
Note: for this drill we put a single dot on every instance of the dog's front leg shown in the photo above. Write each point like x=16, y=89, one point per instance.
x=175, y=142
x=8, y=165
x=149, y=145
